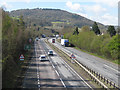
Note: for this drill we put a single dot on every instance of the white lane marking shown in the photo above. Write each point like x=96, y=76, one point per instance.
x=55, y=69
x=111, y=68
x=38, y=82
x=58, y=75
x=37, y=69
x=57, y=72
x=62, y=82
x=37, y=75
x=53, y=66
x=77, y=74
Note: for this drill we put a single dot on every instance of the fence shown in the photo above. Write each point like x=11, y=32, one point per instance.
x=95, y=76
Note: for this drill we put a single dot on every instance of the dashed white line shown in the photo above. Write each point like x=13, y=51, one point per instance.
x=39, y=86
x=56, y=70
x=37, y=70
x=38, y=82
x=77, y=74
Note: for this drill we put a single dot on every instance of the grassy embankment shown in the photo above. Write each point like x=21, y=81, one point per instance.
x=102, y=46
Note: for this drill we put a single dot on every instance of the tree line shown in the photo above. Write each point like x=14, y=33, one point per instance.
x=91, y=40
x=14, y=37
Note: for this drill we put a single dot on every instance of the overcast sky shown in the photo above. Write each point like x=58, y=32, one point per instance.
x=103, y=11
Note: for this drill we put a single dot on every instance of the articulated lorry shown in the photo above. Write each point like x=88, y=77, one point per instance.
x=65, y=42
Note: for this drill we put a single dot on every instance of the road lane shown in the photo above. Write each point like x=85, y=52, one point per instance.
x=105, y=68
x=40, y=74
x=68, y=76
x=30, y=77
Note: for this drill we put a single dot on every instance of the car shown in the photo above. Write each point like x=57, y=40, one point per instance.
x=50, y=52
x=43, y=58
x=37, y=39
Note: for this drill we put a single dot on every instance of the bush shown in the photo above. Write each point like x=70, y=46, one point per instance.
x=103, y=45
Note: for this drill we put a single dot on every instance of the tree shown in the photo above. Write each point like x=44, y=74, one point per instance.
x=85, y=28
x=114, y=47
x=22, y=23
x=111, y=30
x=95, y=28
x=76, y=32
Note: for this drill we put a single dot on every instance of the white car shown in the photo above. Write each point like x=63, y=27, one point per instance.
x=43, y=58
x=50, y=52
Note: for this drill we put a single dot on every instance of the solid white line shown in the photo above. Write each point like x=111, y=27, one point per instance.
x=53, y=66
x=62, y=82
x=77, y=74
x=57, y=72
x=111, y=68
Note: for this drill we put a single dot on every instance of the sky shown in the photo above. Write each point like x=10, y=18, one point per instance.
x=103, y=11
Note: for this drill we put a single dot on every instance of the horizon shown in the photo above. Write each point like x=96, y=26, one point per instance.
x=102, y=12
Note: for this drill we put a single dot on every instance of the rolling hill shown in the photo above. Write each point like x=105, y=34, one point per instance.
x=52, y=17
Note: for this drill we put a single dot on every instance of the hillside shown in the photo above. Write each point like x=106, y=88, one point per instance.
x=52, y=17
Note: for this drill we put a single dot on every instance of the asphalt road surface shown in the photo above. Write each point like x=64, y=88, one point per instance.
x=53, y=73
x=105, y=68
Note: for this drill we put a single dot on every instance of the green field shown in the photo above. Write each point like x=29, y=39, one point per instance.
x=56, y=22
x=15, y=18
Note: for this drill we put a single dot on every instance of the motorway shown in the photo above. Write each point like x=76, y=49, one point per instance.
x=53, y=73
x=105, y=68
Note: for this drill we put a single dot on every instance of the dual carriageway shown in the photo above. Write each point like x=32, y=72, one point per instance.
x=55, y=72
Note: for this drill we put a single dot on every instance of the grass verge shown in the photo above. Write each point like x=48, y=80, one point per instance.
x=75, y=66
x=23, y=69
x=113, y=61
x=79, y=70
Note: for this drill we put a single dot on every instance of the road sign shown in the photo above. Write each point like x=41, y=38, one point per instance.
x=27, y=47
x=21, y=57
x=73, y=56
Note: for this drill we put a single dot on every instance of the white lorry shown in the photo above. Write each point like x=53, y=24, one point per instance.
x=64, y=42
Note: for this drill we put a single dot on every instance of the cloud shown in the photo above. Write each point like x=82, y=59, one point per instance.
x=27, y=1
x=111, y=3
x=4, y=5
x=74, y=7
x=105, y=19
x=109, y=19
x=95, y=12
x=97, y=9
